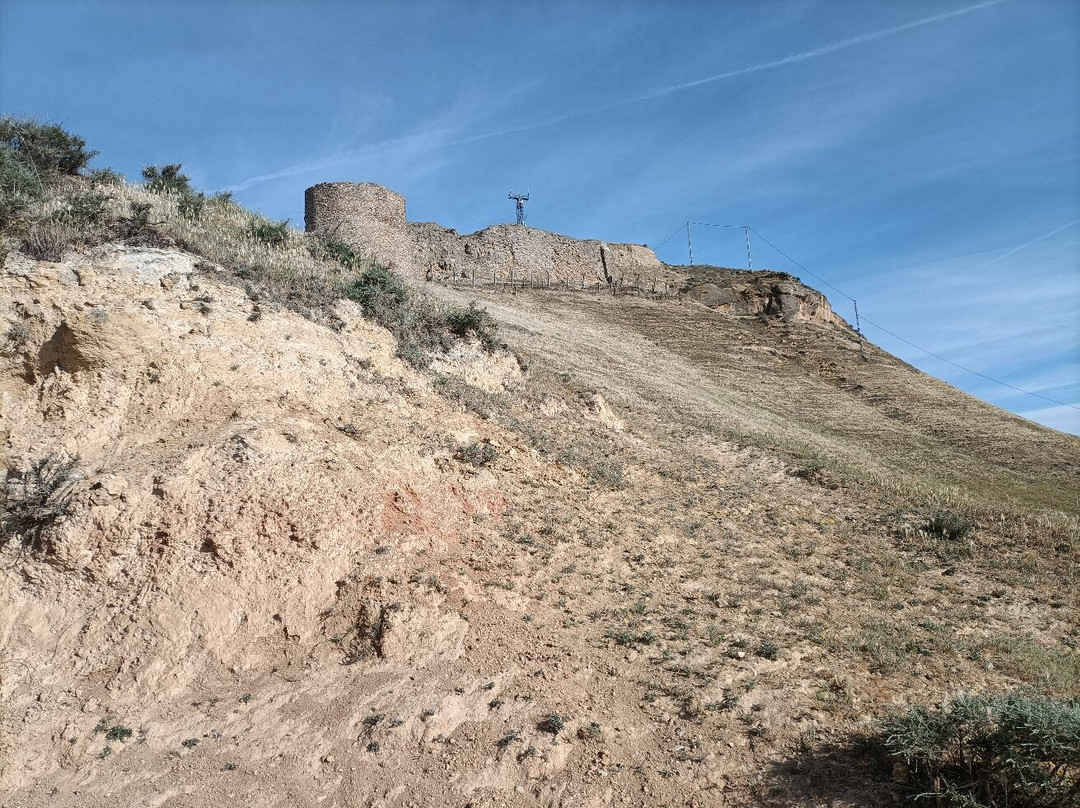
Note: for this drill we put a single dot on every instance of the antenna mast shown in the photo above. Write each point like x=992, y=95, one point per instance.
x=520, y=200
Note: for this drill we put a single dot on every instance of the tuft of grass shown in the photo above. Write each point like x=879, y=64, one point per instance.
x=47, y=241
x=951, y=526
x=768, y=650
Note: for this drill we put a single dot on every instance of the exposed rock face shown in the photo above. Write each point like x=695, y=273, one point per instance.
x=372, y=219
x=755, y=293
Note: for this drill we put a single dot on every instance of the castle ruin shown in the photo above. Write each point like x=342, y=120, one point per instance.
x=372, y=219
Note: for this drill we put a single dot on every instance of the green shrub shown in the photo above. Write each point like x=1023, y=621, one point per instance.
x=990, y=752
x=137, y=221
x=274, y=234
x=381, y=294
x=20, y=184
x=48, y=147
x=339, y=251
x=553, y=724
x=768, y=649
x=118, y=733
x=473, y=321
x=167, y=179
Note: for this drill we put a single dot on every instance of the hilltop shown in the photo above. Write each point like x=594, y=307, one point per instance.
x=283, y=528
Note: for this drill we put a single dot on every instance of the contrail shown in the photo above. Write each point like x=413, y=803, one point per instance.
x=1043, y=237
x=462, y=139
x=371, y=149
x=824, y=50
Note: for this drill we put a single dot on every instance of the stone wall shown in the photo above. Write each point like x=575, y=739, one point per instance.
x=372, y=219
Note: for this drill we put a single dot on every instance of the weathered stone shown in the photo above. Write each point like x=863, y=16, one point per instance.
x=372, y=219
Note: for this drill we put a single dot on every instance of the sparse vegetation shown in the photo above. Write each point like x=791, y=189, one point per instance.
x=506, y=740
x=118, y=733
x=590, y=731
x=676, y=546
x=373, y=720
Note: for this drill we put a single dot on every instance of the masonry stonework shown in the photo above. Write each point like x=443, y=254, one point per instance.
x=372, y=219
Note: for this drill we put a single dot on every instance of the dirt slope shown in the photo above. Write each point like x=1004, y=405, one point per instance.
x=670, y=558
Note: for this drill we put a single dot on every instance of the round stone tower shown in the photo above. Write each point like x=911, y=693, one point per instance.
x=365, y=216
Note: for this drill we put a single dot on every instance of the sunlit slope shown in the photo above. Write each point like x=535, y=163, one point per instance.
x=800, y=387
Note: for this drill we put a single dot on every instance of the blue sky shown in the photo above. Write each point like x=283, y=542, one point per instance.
x=923, y=157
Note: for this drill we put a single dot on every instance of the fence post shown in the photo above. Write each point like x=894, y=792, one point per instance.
x=858, y=328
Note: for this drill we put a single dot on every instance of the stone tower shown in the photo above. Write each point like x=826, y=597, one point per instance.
x=366, y=216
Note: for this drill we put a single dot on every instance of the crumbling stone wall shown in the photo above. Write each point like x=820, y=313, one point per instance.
x=372, y=219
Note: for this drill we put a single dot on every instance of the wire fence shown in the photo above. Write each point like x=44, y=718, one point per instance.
x=636, y=285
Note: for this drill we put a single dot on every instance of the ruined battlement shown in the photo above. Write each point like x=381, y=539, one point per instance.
x=372, y=219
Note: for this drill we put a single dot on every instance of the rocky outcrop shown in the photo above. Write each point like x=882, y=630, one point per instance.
x=747, y=293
